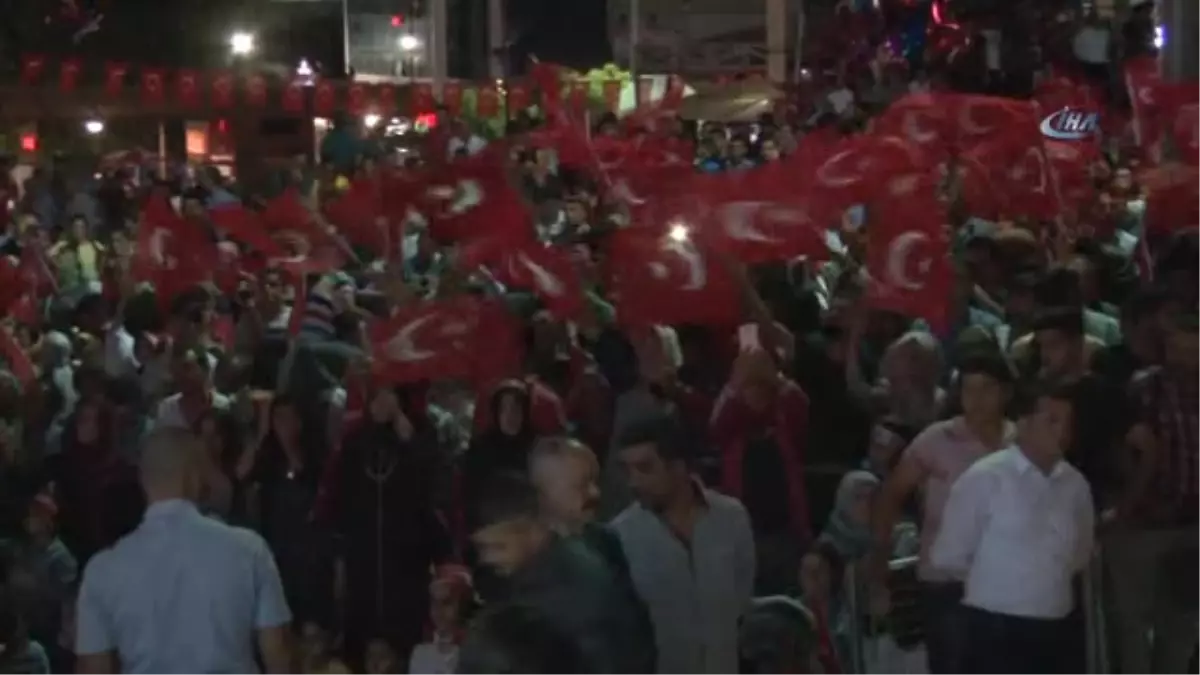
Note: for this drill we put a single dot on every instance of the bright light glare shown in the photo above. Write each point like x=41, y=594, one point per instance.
x=408, y=42
x=1160, y=37
x=678, y=233
x=320, y=123
x=304, y=69
x=93, y=127
x=371, y=120
x=241, y=43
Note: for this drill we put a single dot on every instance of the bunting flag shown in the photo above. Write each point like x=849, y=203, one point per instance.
x=324, y=98
x=114, y=77
x=187, y=88
x=452, y=97
x=256, y=90
x=32, y=66
x=293, y=97
x=356, y=98
x=487, y=101
x=518, y=98
x=422, y=99
x=577, y=96
x=68, y=74
x=222, y=91
x=385, y=99
x=152, y=85
x=612, y=95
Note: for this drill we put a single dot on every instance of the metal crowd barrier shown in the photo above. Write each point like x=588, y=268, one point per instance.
x=902, y=574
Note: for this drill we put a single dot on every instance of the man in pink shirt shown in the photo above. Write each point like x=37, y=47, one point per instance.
x=929, y=466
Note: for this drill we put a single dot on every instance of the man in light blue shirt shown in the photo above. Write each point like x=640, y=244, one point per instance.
x=182, y=593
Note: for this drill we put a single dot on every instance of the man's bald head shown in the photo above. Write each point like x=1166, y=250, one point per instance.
x=565, y=473
x=171, y=465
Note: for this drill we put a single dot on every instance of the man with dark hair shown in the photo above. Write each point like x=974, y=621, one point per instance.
x=690, y=550
x=1018, y=525
x=560, y=578
x=518, y=639
x=1151, y=548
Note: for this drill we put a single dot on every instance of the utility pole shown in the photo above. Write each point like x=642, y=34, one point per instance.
x=346, y=36
x=439, y=58
x=1180, y=20
x=497, y=39
x=635, y=30
x=777, y=30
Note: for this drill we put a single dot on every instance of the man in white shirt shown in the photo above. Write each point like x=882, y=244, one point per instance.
x=1017, y=527
x=182, y=593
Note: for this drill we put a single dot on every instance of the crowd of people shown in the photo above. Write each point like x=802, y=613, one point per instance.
x=402, y=431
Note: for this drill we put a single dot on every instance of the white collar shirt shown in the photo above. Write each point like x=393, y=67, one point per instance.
x=1016, y=535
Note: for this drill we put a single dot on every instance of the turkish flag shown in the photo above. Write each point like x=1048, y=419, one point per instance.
x=918, y=119
x=673, y=96
x=669, y=278
x=172, y=252
x=470, y=197
x=246, y=228
x=324, y=98
x=427, y=340
x=547, y=271
x=187, y=88
x=356, y=98
x=68, y=75
x=612, y=95
x=1142, y=81
x=222, y=90
x=385, y=99
x=293, y=97
x=518, y=98
x=1018, y=173
x=256, y=90
x=114, y=77
x=908, y=256
x=758, y=217
x=452, y=97
x=32, y=66
x=153, y=90
x=487, y=101
x=1178, y=119
x=421, y=99
x=1172, y=199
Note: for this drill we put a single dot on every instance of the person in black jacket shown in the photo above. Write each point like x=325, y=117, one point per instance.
x=560, y=578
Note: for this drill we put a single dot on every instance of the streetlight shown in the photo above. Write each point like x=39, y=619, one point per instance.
x=93, y=127
x=408, y=43
x=241, y=43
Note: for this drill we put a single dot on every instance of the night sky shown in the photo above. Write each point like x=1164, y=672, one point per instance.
x=571, y=32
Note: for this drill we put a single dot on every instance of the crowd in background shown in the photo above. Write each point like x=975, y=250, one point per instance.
x=671, y=498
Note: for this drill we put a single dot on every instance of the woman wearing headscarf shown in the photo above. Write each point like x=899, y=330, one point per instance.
x=283, y=473
x=390, y=533
x=760, y=428
x=504, y=443
x=99, y=491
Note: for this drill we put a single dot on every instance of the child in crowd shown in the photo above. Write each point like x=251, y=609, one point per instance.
x=316, y=653
x=381, y=658
x=820, y=576
x=449, y=594
x=18, y=653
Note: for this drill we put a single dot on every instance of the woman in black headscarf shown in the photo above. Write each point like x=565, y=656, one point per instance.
x=284, y=478
x=390, y=531
x=504, y=444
